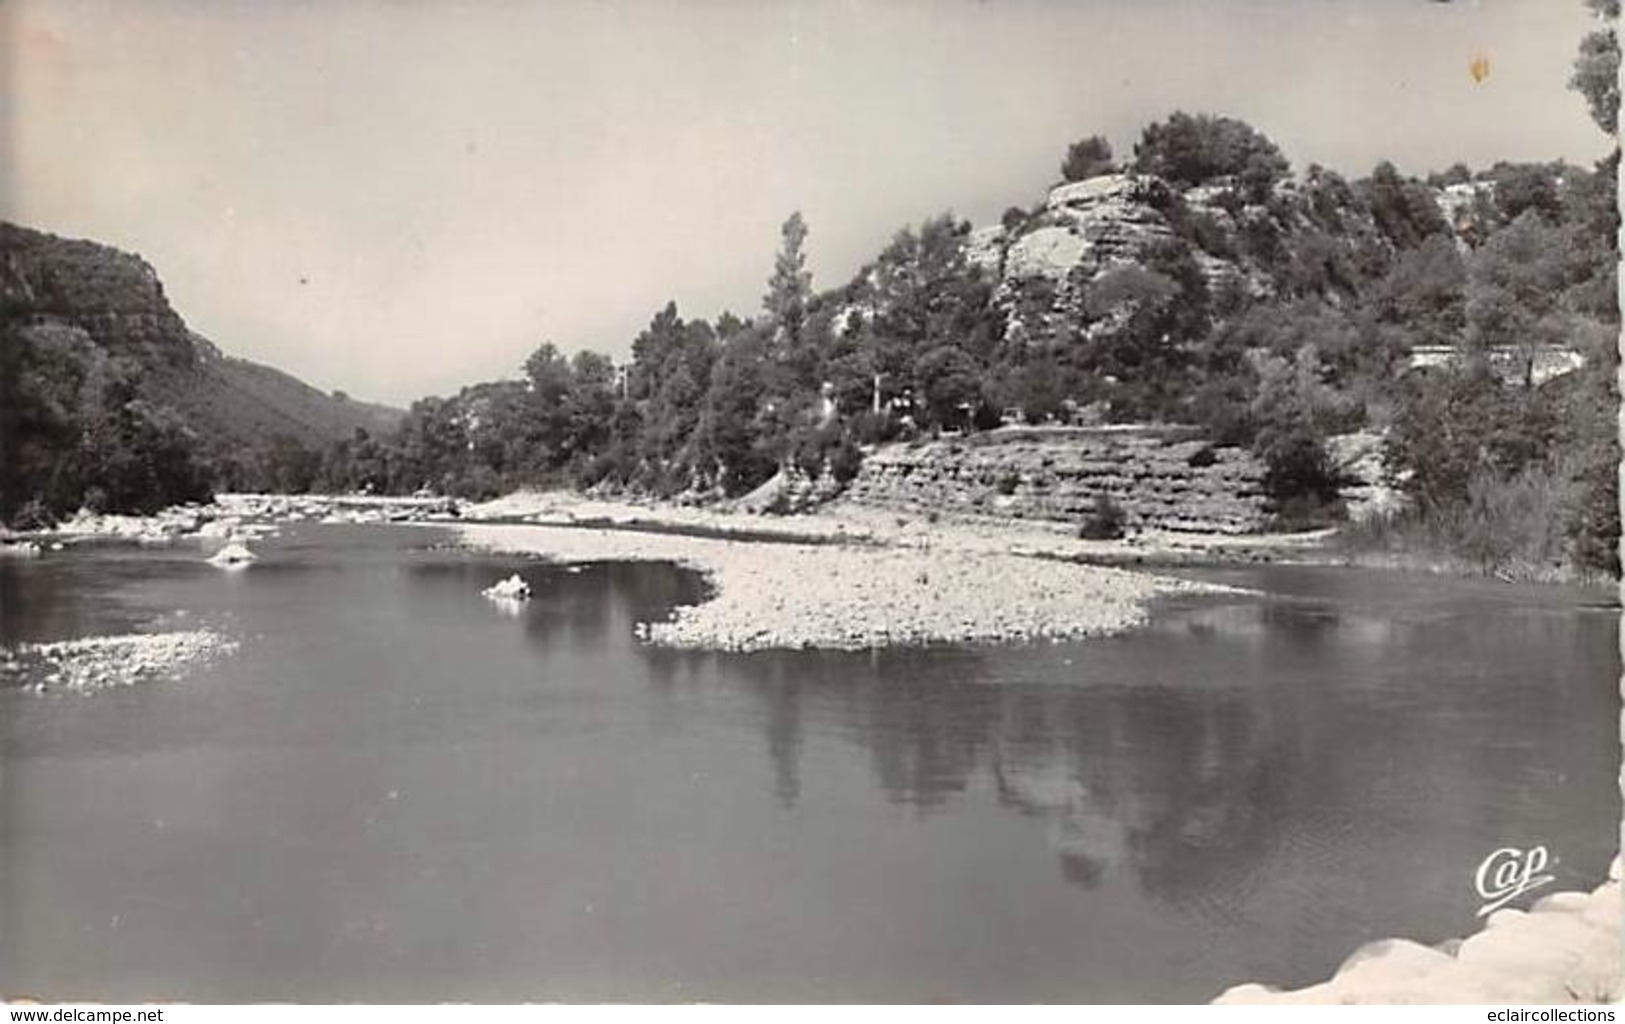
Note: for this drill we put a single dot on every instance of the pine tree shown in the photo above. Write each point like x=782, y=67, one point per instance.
x=790, y=287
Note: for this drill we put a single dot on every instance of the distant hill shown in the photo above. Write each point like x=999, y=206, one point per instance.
x=250, y=402
x=92, y=341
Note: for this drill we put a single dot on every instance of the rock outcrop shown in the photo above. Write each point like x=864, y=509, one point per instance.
x=1299, y=234
x=1085, y=228
x=1369, y=490
x=113, y=297
x=1088, y=226
x=1164, y=478
x=514, y=588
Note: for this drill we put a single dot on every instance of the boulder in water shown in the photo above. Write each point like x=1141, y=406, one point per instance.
x=235, y=555
x=514, y=588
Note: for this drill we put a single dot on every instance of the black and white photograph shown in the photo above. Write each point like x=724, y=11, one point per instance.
x=810, y=502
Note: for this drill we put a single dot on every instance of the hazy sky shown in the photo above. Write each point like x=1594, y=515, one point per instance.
x=397, y=198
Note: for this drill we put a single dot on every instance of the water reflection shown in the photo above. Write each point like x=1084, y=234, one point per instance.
x=1154, y=781
x=1191, y=756
x=1231, y=737
x=413, y=786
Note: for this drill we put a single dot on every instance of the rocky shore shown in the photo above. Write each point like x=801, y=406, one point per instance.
x=239, y=515
x=792, y=595
x=1569, y=947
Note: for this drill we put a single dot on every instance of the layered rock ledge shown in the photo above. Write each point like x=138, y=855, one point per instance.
x=1161, y=478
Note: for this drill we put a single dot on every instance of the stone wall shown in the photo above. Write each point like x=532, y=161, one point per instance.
x=1165, y=478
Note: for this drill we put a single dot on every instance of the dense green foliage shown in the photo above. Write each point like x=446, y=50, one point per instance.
x=75, y=431
x=88, y=424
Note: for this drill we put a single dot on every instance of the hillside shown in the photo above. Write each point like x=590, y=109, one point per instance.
x=98, y=361
x=250, y=402
x=1464, y=321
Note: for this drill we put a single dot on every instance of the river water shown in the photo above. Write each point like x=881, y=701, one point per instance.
x=393, y=791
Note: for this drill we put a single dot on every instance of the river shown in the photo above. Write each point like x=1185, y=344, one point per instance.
x=395, y=791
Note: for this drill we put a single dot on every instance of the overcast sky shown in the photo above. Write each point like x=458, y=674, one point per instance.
x=398, y=198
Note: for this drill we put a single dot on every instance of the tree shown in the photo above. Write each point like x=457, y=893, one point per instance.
x=1520, y=187
x=290, y=467
x=1456, y=422
x=590, y=406
x=728, y=439
x=33, y=423
x=1191, y=150
x=671, y=368
x=924, y=295
x=1425, y=293
x=1515, y=283
x=790, y=286
x=543, y=414
x=368, y=463
x=1037, y=390
x=1087, y=158
x=1591, y=420
x=1404, y=209
x=951, y=385
x=1596, y=69
x=1144, y=323
x=1295, y=411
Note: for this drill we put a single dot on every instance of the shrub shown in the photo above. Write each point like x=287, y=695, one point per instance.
x=986, y=416
x=1203, y=457
x=807, y=452
x=1087, y=158
x=1211, y=236
x=1298, y=472
x=1105, y=520
x=1511, y=524
x=33, y=515
x=845, y=459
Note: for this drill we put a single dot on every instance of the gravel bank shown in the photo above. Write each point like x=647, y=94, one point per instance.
x=851, y=597
x=844, y=521
x=100, y=662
